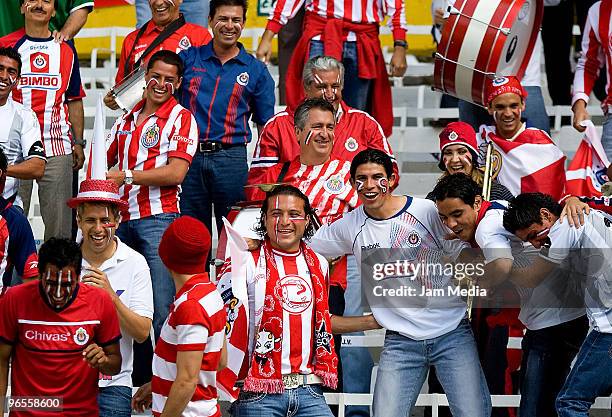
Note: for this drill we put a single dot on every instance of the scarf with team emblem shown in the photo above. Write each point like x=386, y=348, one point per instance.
x=265, y=370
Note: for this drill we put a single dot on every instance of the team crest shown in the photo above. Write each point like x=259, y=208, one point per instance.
x=351, y=144
x=184, y=43
x=334, y=185
x=150, y=137
x=453, y=135
x=294, y=293
x=413, y=239
x=243, y=79
x=39, y=62
x=323, y=338
x=81, y=336
x=499, y=81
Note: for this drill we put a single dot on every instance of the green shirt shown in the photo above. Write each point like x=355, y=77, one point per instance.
x=11, y=18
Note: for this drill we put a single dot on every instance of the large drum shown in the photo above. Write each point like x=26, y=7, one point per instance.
x=485, y=38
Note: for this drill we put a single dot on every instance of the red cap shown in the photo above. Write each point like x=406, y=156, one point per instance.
x=503, y=85
x=185, y=245
x=92, y=191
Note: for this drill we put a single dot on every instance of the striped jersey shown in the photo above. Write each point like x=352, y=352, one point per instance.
x=327, y=186
x=196, y=322
x=355, y=131
x=596, y=53
x=50, y=77
x=170, y=132
x=224, y=97
x=356, y=11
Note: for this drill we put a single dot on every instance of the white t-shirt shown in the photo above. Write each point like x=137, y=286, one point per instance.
x=538, y=310
x=587, y=249
x=128, y=273
x=418, y=228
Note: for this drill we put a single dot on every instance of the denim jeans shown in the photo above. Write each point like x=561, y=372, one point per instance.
x=547, y=355
x=403, y=368
x=214, y=179
x=195, y=11
x=356, y=91
x=591, y=376
x=115, y=401
x=606, y=135
x=357, y=362
x=143, y=235
x=304, y=401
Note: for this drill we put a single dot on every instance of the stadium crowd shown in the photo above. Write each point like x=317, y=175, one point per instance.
x=119, y=294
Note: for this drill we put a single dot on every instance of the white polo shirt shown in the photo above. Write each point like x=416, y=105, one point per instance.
x=128, y=273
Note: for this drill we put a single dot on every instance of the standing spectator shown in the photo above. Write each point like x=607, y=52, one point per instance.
x=192, y=343
x=195, y=11
x=356, y=130
x=153, y=146
x=167, y=29
x=52, y=89
x=123, y=274
x=224, y=87
x=347, y=31
x=70, y=16
x=596, y=54
x=72, y=328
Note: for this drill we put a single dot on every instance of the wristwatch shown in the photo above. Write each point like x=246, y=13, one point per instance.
x=401, y=43
x=129, y=178
x=81, y=142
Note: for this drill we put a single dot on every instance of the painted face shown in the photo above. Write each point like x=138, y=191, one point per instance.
x=326, y=85
x=536, y=234
x=162, y=81
x=98, y=226
x=372, y=185
x=317, y=137
x=38, y=10
x=507, y=109
x=164, y=11
x=459, y=217
x=227, y=25
x=286, y=222
x=59, y=284
x=9, y=73
x=457, y=158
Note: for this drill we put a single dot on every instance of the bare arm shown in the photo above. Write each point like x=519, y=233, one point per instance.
x=353, y=324
x=5, y=355
x=187, y=371
x=223, y=360
x=30, y=169
x=496, y=272
x=171, y=174
x=74, y=23
x=106, y=359
x=534, y=274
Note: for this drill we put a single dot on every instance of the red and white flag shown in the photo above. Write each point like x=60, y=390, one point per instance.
x=529, y=163
x=588, y=170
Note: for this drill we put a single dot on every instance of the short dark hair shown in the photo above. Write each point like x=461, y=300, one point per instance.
x=13, y=54
x=459, y=186
x=61, y=253
x=215, y=4
x=169, y=58
x=285, y=189
x=301, y=112
x=373, y=156
x=524, y=210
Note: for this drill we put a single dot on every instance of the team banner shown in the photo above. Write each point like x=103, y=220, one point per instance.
x=587, y=172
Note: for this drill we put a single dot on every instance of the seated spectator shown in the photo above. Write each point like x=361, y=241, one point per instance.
x=167, y=29
x=356, y=130
x=123, y=274
x=153, y=146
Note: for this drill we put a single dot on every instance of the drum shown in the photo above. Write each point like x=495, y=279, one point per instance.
x=129, y=91
x=485, y=38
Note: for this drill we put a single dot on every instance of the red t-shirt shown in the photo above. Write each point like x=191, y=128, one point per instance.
x=47, y=346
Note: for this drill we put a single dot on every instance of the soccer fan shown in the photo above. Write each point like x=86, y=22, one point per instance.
x=323, y=77
x=347, y=31
x=224, y=87
x=191, y=346
x=385, y=220
x=554, y=331
x=52, y=89
x=153, y=146
x=57, y=334
x=585, y=251
x=195, y=11
x=596, y=54
x=166, y=30
x=123, y=274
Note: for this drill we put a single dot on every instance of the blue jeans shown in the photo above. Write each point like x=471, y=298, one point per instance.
x=143, y=235
x=115, y=401
x=357, y=362
x=606, y=135
x=304, y=401
x=403, y=367
x=356, y=91
x=547, y=355
x=214, y=179
x=195, y=11
x=591, y=376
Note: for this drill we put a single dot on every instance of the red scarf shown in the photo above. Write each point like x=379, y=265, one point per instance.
x=265, y=370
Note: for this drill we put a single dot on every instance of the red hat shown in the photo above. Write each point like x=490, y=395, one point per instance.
x=93, y=191
x=458, y=133
x=502, y=85
x=185, y=245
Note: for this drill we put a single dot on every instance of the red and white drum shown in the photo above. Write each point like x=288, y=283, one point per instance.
x=485, y=38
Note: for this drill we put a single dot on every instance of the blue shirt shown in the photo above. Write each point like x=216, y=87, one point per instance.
x=223, y=97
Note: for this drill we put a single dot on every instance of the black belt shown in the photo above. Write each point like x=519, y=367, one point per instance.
x=206, y=147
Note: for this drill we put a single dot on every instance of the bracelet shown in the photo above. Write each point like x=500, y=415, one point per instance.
x=403, y=44
x=81, y=142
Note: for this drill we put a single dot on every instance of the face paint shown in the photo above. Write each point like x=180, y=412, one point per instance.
x=169, y=87
x=58, y=292
x=152, y=82
x=276, y=221
x=308, y=137
x=48, y=286
x=12, y=80
x=383, y=184
x=542, y=232
x=359, y=184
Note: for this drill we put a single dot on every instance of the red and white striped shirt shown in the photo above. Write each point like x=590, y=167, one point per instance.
x=170, y=132
x=196, y=322
x=596, y=53
x=50, y=77
x=356, y=11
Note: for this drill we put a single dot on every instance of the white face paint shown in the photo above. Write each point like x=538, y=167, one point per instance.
x=308, y=137
x=12, y=80
x=152, y=83
x=58, y=292
x=383, y=184
x=169, y=87
x=359, y=184
x=277, y=220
